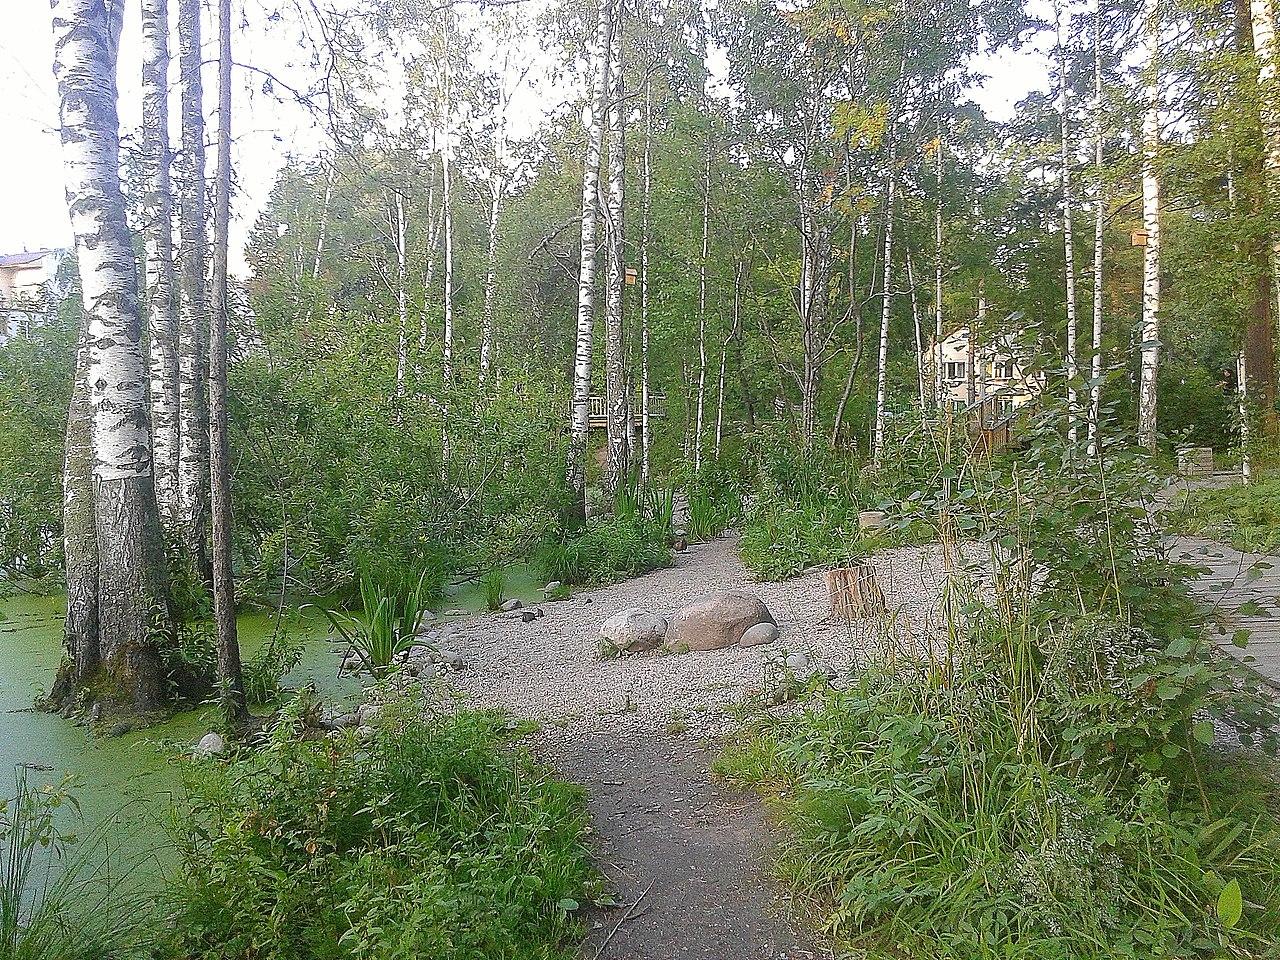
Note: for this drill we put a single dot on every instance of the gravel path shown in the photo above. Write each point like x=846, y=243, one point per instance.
x=687, y=856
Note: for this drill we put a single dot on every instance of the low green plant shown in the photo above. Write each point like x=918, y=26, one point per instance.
x=660, y=507
x=434, y=837
x=390, y=613
x=495, y=588
x=264, y=672
x=61, y=896
x=606, y=550
x=1245, y=516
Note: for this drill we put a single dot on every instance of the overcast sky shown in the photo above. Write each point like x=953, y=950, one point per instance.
x=32, y=202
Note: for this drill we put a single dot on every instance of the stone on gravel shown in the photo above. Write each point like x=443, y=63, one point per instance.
x=716, y=621
x=512, y=604
x=553, y=586
x=797, y=662
x=457, y=613
x=634, y=630
x=529, y=614
x=759, y=635
x=211, y=745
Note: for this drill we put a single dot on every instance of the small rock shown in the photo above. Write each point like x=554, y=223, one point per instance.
x=367, y=713
x=553, y=586
x=453, y=660
x=512, y=604
x=120, y=728
x=210, y=745
x=797, y=662
x=680, y=546
x=420, y=651
x=634, y=630
x=869, y=521
x=95, y=713
x=529, y=614
x=759, y=635
x=457, y=613
x=364, y=732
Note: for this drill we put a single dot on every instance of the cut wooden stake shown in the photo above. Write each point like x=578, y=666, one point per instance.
x=855, y=592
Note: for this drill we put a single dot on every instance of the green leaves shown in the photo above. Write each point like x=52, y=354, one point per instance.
x=1230, y=905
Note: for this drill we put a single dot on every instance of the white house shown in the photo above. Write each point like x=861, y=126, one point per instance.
x=29, y=289
x=986, y=372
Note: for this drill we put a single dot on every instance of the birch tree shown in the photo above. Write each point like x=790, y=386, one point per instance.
x=617, y=404
x=230, y=674
x=193, y=363
x=576, y=473
x=162, y=322
x=886, y=307
x=1099, y=230
x=1149, y=360
x=132, y=589
x=702, y=304
x=646, y=188
x=1062, y=19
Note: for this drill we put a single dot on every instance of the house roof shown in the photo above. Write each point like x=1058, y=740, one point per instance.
x=23, y=259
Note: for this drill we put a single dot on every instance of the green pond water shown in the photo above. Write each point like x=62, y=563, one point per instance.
x=130, y=782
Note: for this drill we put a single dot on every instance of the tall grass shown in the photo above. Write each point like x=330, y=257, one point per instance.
x=61, y=896
x=391, y=610
x=495, y=588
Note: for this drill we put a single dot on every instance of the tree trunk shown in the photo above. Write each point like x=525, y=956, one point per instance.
x=162, y=319
x=491, y=275
x=402, y=295
x=435, y=222
x=886, y=307
x=617, y=406
x=1099, y=229
x=855, y=592
x=937, y=284
x=447, y=200
x=230, y=674
x=1064, y=106
x=576, y=473
x=323, y=230
x=132, y=587
x=702, y=303
x=915, y=319
x=79, y=537
x=646, y=434
x=193, y=362
x=1258, y=347
x=1150, y=345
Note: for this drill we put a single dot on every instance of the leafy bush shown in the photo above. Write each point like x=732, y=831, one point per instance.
x=1040, y=787
x=61, y=897
x=434, y=838
x=606, y=550
x=391, y=611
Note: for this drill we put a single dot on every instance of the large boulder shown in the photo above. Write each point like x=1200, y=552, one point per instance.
x=633, y=630
x=716, y=621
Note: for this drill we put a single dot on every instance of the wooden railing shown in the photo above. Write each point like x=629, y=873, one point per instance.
x=598, y=413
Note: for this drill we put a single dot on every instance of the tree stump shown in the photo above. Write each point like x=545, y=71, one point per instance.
x=855, y=592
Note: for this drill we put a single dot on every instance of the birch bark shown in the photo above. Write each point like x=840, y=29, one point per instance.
x=1149, y=348
x=576, y=471
x=193, y=361
x=702, y=305
x=646, y=437
x=1064, y=107
x=402, y=295
x=132, y=606
x=162, y=319
x=1099, y=228
x=617, y=405
x=886, y=306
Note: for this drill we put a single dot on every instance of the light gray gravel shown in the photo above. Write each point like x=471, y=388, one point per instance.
x=550, y=670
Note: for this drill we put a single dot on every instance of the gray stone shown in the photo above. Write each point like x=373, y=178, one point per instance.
x=529, y=614
x=456, y=612
x=452, y=659
x=797, y=662
x=211, y=745
x=367, y=713
x=364, y=732
x=512, y=604
x=634, y=630
x=869, y=521
x=759, y=635
x=553, y=586
x=716, y=621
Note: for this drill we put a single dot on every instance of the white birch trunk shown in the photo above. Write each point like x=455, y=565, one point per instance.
x=617, y=406
x=402, y=295
x=886, y=307
x=490, y=278
x=1150, y=331
x=580, y=420
x=1263, y=18
x=447, y=200
x=131, y=583
x=646, y=436
x=1099, y=228
x=193, y=362
x=702, y=306
x=435, y=223
x=323, y=230
x=937, y=284
x=1064, y=106
x=915, y=319
x=162, y=321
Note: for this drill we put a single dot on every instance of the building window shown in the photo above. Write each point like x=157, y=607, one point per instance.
x=1003, y=406
x=1003, y=369
x=953, y=370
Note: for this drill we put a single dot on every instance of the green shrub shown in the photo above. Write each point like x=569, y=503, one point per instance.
x=606, y=550
x=433, y=839
x=1247, y=517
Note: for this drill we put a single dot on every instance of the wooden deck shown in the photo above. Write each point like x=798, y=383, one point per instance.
x=597, y=418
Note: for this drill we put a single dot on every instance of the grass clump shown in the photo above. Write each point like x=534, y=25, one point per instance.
x=1246, y=517
x=606, y=550
x=434, y=838
x=495, y=588
x=61, y=896
x=391, y=609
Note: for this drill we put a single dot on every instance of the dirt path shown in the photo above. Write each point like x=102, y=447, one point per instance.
x=689, y=858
